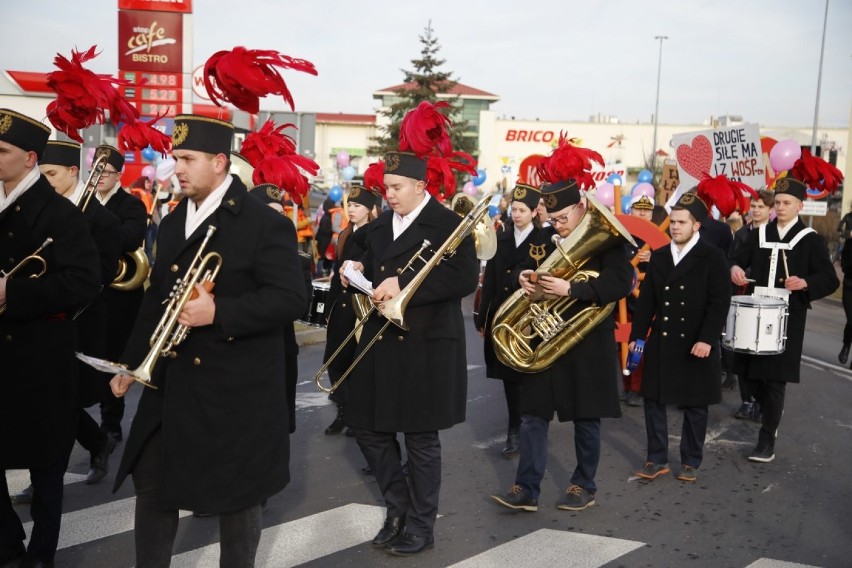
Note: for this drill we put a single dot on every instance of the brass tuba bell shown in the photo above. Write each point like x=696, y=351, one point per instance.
x=484, y=235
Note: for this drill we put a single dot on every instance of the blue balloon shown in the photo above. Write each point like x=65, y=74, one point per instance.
x=335, y=193
x=480, y=178
x=348, y=173
x=625, y=204
x=493, y=211
x=645, y=176
x=148, y=153
x=614, y=179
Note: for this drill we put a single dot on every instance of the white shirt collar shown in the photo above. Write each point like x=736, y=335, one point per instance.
x=521, y=235
x=195, y=216
x=401, y=223
x=783, y=232
x=106, y=197
x=26, y=182
x=678, y=255
x=75, y=195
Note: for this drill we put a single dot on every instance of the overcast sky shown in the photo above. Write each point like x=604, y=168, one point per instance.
x=548, y=59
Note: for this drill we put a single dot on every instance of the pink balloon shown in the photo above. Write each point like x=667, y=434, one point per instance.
x=90, y=157
x=343, y=158
x=605, y=193
x=784, y=154
x=470, y=188
x=644, y=188
x=149, y=172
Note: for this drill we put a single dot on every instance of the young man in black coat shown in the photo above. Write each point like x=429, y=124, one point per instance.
x=789, y=260
x=122, y=305
x=38, y=337
x=683, y=302
x=213, y=436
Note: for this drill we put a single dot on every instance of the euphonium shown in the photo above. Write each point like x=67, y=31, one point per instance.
x=127, y=279
x=393, y=310
x=530, y=335
x=169, y=333
x=34, y=257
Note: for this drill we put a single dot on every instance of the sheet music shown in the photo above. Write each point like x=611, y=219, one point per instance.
x=357, y=279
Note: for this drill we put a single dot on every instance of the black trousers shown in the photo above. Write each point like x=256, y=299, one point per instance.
x=155, y=528
x=847, y=307
x=691, y=438
x=770, y=396
x=513, y=404
x=46, y=511
x=415, y=498
x=89, y=434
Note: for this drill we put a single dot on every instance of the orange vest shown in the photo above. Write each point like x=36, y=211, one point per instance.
x=143, y=196
x=304, y=230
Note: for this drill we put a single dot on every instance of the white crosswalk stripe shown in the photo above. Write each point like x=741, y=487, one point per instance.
x=19, y=479
x=769, y=563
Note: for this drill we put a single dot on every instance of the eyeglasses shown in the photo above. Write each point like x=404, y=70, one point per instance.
x=107, y=173
x=562, y=219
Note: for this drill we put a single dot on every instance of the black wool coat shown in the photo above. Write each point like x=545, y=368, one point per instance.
x=38, y=337
x=809, y=260
x=498, y=283
x=222, y=401
x=680, y=306
x=415, y=380
x=583, y=383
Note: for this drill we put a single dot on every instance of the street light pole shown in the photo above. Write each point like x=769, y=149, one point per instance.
x=657, y=106
x=819, y=82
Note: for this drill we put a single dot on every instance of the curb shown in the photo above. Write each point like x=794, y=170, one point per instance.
x=308, y=334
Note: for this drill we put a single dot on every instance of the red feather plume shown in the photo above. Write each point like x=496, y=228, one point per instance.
x=726, y=194
x=568, y=161
x=139, y=134
x=84, y=97
x=425, y=130
x=374, y=177
x=816, y=173
x=287, y=172
x=440, y=177
x=269, y=141
x=241, y=76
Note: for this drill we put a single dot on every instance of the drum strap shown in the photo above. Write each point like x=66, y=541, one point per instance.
x=775, y=247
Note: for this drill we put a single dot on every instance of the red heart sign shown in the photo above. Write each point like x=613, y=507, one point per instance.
x=696, y=159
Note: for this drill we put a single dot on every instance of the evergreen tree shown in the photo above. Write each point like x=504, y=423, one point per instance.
x=423, y=83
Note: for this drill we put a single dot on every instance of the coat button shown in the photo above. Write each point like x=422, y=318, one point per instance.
x=382, y=268
x=342, y=305
x=174, y=268
x=8, y=337
x=399, y=270
x=17, y=208
x=681, y=335
x=508, y=271
x=665, y=303
x=665, y=318
x=230, y=339
x=506, y=288
x=381, y=337
x=196, y=361
x=401, y=338
x=681, y=286
x=10, y=234
x=11, y=260
x=683, y=303
x=666, y=288
x=682, y=319
x=665, y=333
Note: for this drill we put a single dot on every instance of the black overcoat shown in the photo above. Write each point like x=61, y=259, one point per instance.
x=38, y=338
x=682, y=305
x=583, y=383
x=809, y=260
x=222, y=401
x=498, y=283
x=415, y=380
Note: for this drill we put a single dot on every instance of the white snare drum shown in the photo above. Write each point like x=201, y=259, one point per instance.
x=756, y=324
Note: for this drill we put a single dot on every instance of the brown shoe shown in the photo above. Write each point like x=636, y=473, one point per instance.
x=653, y=470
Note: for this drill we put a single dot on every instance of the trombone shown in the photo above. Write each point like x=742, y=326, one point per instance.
x=98, y=167
x=393, y=310
x=34, y=257
x=168, y=333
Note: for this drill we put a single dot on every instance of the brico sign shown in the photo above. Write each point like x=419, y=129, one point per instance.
x=150, y=41
x=524, y=135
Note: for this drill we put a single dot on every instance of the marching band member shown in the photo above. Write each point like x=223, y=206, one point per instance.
x=782, y=255
x=683, y=301
x=513, y=246
x=122, y=305
x=213, y=436
x=38, y=409
x=581, y=386
x=361, y=204
x=413, y=381
x=60, y=165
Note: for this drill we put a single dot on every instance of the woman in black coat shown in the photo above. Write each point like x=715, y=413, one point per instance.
x=513, y=247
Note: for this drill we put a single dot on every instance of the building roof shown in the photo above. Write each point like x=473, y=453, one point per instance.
x=30, y=82
x=459, y=89
x=345, y=118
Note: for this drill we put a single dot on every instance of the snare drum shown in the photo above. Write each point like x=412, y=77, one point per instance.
x=319, y=303
x=756, y=324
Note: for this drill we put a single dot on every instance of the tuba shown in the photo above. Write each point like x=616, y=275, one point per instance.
x=484, y=235
x=169, y=333
x=393, y=310
x=127, y=279
x=530, y=334
x=34, y=258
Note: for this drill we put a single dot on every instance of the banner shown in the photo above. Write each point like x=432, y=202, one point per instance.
x=182, y=6
x=734, y=151
x=150, y=41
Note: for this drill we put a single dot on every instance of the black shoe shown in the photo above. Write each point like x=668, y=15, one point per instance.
x=756, y=413
x=844, y=354
x=393, y=528
x=517, y=499
x=28, y=562
x=763, y=453
x=25, y=497
x=411, y=544
x=99, y=463
x=337, y=426
x=367, y=470
x=575, y=498
x=12, y=559
x=513, y=443
x=745, y=411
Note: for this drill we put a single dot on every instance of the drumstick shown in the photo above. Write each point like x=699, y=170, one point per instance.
x=784, y=258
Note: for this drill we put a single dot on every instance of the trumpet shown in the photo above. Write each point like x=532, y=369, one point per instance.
x=169, y=333
x=34, y=257
x=393, y=310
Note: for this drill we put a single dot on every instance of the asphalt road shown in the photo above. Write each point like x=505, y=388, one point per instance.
x=794, y=511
